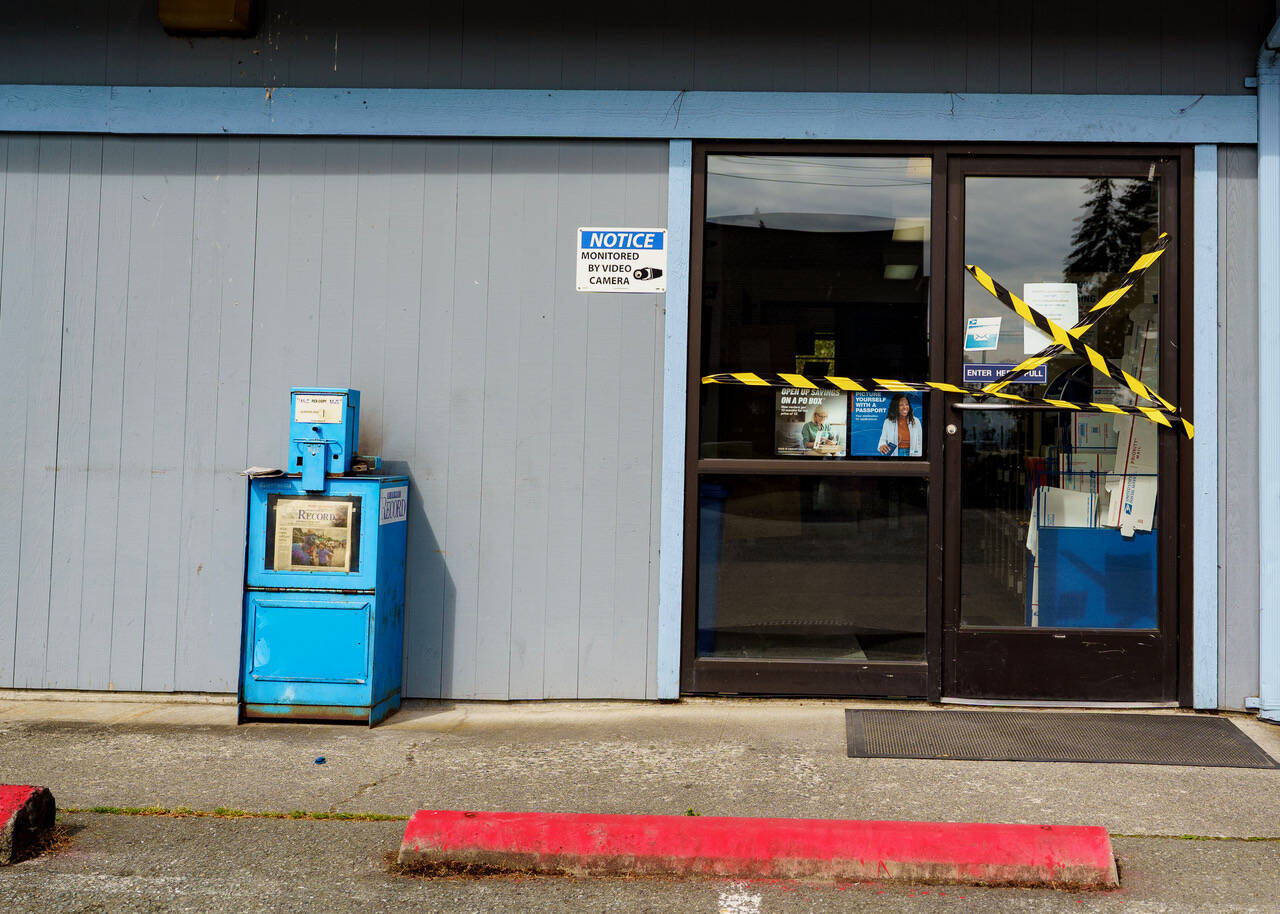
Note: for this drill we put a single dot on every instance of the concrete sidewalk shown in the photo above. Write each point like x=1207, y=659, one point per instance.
x=715, y=757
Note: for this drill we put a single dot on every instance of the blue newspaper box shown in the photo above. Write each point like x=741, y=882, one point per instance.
x=324, y=586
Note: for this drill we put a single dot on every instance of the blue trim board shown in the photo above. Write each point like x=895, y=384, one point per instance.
x=631, y=114
x=675, y=362
x=1268, y=389
x=1204, y=674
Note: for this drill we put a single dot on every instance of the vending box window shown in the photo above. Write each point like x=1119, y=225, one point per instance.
x=324, y=575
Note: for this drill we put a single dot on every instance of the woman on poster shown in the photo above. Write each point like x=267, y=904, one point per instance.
x=902, y=432
x=816, y=434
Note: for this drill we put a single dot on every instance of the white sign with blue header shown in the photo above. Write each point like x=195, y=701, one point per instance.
x=622, y=260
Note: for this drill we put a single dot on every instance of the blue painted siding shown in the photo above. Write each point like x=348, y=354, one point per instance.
x=1268, y=397
x=1205, y=445
x=670, y=620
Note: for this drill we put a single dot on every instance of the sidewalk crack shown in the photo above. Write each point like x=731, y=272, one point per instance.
x=410, y=761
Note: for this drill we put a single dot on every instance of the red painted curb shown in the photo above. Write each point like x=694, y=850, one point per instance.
x=1068, y=856
x=26, y=813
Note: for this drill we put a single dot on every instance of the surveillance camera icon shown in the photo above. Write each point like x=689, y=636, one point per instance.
x=646, y=273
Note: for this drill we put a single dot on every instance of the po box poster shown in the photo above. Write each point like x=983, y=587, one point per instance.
x=315, y=534
x=887, y=424
x=811, y=423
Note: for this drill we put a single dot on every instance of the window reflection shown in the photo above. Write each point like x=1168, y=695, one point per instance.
x=1081, y=231
x=805, y=567
x=1059, y=507
x=814, y=265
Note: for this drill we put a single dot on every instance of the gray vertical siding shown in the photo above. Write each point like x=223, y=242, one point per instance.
x=1238, y=425
x=75, y=387
x=31, y=356
x=158, y=297
x=1087, y=46
x=217, y=409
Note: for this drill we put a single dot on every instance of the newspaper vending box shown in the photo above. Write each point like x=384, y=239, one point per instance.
x=324, y=574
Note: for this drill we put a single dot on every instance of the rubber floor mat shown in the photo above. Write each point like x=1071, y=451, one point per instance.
x=1052, y=736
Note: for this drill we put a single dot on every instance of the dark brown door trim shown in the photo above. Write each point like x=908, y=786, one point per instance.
x=797, y=677
x=983, y=663
x=930, y=678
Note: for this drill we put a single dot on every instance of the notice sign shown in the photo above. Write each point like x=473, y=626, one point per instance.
x=1058, y=301
x=622, y=260
x=313, y=534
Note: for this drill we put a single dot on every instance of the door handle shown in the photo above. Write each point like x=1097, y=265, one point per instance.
x=1004, y=405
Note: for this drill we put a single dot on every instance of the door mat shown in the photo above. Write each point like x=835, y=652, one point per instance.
x=1048, y=736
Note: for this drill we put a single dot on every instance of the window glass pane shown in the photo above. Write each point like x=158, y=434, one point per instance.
x=814, y=265
x=1059, y=507
x=828, y=568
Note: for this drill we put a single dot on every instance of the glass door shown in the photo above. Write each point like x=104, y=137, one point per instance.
x=1062, y=527
x=811, y=510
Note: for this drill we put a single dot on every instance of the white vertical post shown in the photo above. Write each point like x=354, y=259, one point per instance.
x=1269, y=386
x=1205, y=444
x=675, y=363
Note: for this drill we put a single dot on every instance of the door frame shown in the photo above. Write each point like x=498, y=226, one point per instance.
x=904, y=679
x=927, y=679
x=1167, y=681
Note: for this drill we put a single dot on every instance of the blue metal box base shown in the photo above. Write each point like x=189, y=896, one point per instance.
x=357, y=714
x=324, y=643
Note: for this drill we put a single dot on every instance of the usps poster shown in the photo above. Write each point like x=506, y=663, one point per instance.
x=886, y=424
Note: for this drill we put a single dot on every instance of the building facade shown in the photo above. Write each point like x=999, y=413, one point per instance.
x=389, y=199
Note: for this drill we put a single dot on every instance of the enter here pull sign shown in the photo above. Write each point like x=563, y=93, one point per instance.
x=622, y=260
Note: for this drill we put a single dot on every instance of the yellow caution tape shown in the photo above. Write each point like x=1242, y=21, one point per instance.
x=1063, y=338
x=1158, y=415
x=1091, y=317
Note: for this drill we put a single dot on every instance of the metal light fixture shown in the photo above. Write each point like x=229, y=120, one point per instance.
x=206, y=17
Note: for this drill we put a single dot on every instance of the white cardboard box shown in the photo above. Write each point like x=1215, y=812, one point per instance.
x=1132, y=505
